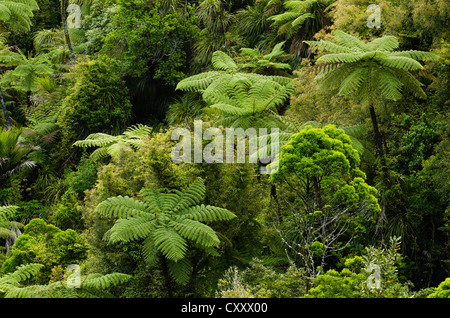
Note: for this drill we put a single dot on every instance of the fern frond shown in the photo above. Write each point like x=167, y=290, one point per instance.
x=133, y=228
x=96, y=140
x=231, y=109
x=196, y=232
x=330, y=46
x=192, y=195
x=400, y=62
x=385, y=43
x=223, y=61
x=121, y=207
x=171, y=244
x=349, y=41
x=208, y=213
x=418, y=55
x=100, y=281
x=180, y=270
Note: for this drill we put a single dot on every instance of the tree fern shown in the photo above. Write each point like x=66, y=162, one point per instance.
x=112, y=145
x=300, y=21
x=243, y=98
x=166, y=222
x=371, y=71
x=17, y=14
x=91, y=285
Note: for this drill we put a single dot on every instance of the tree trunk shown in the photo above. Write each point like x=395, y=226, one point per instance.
x=28, y=99
x=66, y=31
x=166, y=274
x=378, y=140
x=5, y=111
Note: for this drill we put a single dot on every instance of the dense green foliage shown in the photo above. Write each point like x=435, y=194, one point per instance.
x=354, y=205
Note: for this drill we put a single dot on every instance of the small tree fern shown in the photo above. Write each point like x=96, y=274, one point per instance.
x=111, y=145
x=165, y=223
x=95, y=285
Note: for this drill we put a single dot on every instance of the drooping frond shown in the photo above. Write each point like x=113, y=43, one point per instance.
x=165, y=222
x=208, y=213
x=418, y=55
x=385, y=43
x=100, y=281
x=353, y=81
x=169, y=243
x=340, y=58
x=400, y=62
x=191, y=196
x=109, y=145
x=198, y=82
x=328, y=46
x=195, y=231
x=349, y=41
x=223, y=61
x=133, y=228
x=180, y=270
x=390, y=85
x=121, y=207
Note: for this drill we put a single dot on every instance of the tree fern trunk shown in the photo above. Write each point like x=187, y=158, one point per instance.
x=378, y=140
x=5, y=111
x=166, y=274
x=66, y=31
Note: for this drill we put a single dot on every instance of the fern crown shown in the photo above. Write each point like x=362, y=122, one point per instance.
x=369, y=69
x=166, y=222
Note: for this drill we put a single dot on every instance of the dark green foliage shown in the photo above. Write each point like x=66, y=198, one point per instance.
x=99, y=100
x=87, y=171
x=158, y=46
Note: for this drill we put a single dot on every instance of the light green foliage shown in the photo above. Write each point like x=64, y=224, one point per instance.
x=166, y=221
x=245, y=99
x=371, y=69
x=48, y=245
x=357, y=279
x=16, y=15
x=321, y=195
x=112, y=145
x=442, y=291
x=301, y=20
x=257, y=62
x=13, y=285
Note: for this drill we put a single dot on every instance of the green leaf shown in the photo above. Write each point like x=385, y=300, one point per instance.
x=171, y=244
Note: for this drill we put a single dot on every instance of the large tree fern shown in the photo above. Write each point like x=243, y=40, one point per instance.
x=245, y=99
x=372, y=71
x=165, y=223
